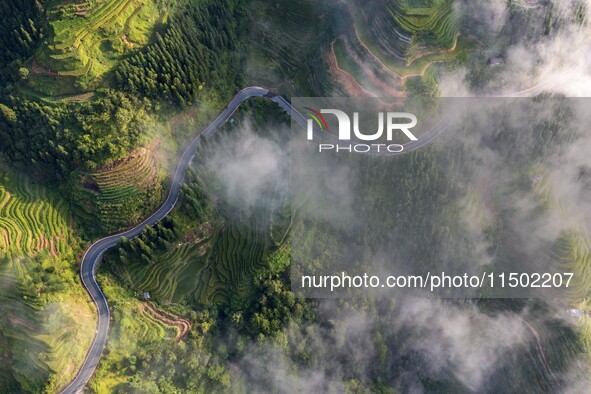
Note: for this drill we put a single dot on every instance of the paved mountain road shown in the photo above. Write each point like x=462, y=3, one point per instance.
x=96, y=250
x=94, y=253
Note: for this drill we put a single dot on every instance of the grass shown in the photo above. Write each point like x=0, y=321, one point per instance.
x=47, y=320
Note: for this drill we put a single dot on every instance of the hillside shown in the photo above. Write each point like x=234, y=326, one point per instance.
x=122, y=192
x=46, y=320
x=381, y=44
x=86, y=39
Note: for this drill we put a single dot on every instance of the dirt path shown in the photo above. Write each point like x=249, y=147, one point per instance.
x=435, y=52
x=37, y=69
x=541, y=354
x=343, y=78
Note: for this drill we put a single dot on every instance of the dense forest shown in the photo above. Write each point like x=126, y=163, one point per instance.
x=56, y=140
x=198, y=50
x=21, y=30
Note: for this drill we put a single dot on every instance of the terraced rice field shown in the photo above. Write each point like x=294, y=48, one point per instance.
x=123, y=191
x=89, y=35
x=358, y=64
x=574, y=250
x=174, y=274
x=436, y=25
x=54, y=335
x=36, y=262
x=167, y=319
x=125, y=178
x=31, y=218
x=208, y=266
x=239, y=254
x=407, y=37
x=134, y=327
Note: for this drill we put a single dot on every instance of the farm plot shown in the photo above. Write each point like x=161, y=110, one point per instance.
x=237, y=256
x=169, y=277
x=210, y=266
x=406, y=37
x=574, y=251
x=89, y=36
x=121, y=193
x=31, y=218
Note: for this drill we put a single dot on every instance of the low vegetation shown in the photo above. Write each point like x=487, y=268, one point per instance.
x=31, y=219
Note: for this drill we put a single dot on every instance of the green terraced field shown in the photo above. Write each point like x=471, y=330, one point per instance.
x=210, y=265
x=132, y=329
x=173, y=275
x=55, y=335
x=45, y=316
x=127, y=179
x=206, y=270
x=574, y=250
x=408, y=36
x=238, y=256
x=88, y=37
x=434, y=25
x=121, y=194
x=31, y=218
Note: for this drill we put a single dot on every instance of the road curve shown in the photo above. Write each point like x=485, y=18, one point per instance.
x=96, y=250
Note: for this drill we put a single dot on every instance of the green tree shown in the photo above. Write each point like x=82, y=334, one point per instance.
x=23, y=73
x=7, y=114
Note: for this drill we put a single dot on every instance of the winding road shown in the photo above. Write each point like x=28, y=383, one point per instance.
x=96, y=250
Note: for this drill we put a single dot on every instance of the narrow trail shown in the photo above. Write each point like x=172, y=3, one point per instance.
x=541, y=354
